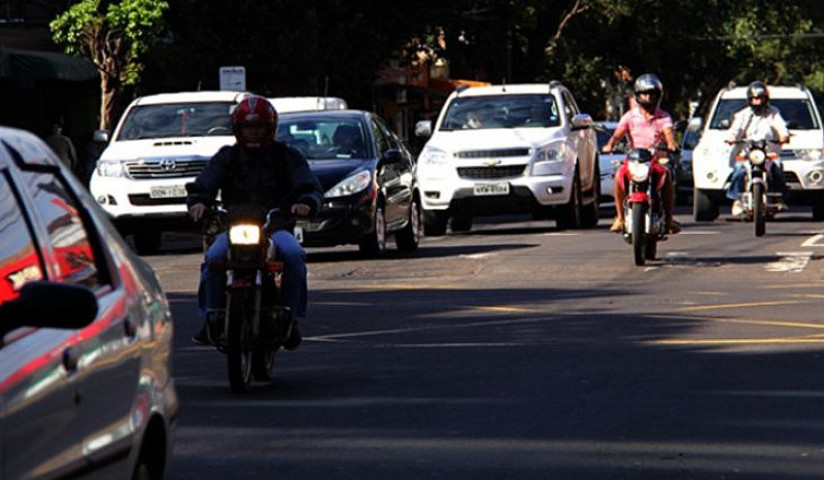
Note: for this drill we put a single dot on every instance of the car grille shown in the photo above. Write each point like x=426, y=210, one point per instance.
x=497, y=153
x=165, y=168
x=791, y=177
x=485, y=173
x=144, y=200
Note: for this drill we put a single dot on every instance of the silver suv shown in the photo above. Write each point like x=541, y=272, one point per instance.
x=802, y=158
x=509, y=149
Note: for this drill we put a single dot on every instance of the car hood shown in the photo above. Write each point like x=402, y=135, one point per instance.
x=179, y=147
x=494, y=138
x=330, y=172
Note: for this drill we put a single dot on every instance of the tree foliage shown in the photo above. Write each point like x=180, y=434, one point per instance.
x=115, y=36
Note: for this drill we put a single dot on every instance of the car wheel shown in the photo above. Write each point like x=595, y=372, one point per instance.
x=569, y=215
x=374, y=244
x=434, y=223
x=703, y=210
x=461, y=224
x=147, y=243
x=409, y=237
x=591, y=212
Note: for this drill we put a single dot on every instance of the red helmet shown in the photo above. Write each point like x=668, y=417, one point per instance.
x=255, y=110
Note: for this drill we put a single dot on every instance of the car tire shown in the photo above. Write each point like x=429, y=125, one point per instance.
x=703, y=209
x=147, y=243
x=460, y=224
x=434, y=223
x=569, y=215
x=591, y=212
x=409, y=237
x=374, y=244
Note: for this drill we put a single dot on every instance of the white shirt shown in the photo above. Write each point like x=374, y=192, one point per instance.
x=769, y=125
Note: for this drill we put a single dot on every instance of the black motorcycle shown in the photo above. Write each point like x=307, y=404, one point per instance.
x=255, y=322
x=757, y=200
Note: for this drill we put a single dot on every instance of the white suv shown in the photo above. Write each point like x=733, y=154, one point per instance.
x=161, y=143
x=509, y=149
x=802, y=158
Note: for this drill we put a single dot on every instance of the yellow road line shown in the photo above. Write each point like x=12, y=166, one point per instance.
x=738, y=341
x=738, y=305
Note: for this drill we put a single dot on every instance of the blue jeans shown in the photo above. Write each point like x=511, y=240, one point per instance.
x=776, y=179
x=211, y=293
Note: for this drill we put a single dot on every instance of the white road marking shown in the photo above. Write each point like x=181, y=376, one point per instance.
x=790, y=262
x=814, y=241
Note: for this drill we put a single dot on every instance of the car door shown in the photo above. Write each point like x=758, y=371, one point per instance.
x=108, y=365
x=584, y=143
x=39, y=383
x=395, y=187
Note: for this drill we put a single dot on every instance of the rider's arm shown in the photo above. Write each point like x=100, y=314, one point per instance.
x=780, y=127
x=737, y=127
x=305, y=182
x=619, y=133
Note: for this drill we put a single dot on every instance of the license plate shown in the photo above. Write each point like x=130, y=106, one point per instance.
x=298, y=233
x=168, y=191
x=497, y=188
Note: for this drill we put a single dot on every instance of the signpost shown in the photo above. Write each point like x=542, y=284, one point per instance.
x=233, y=78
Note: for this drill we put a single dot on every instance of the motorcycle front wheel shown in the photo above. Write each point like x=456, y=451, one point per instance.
x=759, y=213
x=238, y=349
x=263, y=364
x=638, y=235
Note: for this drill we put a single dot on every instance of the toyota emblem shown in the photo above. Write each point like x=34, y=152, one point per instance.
x=168, y=165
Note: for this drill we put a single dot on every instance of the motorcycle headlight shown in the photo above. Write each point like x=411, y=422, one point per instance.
x=110, y=168
x=350, y=185
x=638, y=171
x=757, y=156
x=244, y=234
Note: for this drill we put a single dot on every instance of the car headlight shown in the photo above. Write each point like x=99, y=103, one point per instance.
x=110, y=168
x=244, y=234
x=548, y=160
x=350, y=185
x=639, y=172
x=433, y=156
x=809, y=154
x=757, y=156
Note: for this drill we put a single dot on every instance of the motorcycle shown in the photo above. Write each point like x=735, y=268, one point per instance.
x=645, y=221
x=255, y=322
x=757, y=201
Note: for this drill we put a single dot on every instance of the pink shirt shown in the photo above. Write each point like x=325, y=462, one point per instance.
x=643, y=132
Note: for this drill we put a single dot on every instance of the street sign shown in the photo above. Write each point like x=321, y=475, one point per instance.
x=233, y=78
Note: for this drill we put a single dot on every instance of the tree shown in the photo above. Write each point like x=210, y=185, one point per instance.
x=115, y=36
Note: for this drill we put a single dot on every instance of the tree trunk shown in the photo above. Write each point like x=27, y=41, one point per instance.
x=108, y=91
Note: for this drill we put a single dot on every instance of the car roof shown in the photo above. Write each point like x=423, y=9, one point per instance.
x=191, y=97
x=31, y=149
x=340, y=114
x=523, y=88
x=307, y=104
x=776, y=91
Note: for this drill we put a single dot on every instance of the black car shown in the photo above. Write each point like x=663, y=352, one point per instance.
x=367, y=174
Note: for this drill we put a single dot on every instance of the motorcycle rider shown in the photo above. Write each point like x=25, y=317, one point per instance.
x=260, y=171
x=761, y=121
x=646, y=126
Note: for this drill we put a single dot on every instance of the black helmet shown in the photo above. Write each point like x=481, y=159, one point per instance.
x=757, y=89
x=649, y=83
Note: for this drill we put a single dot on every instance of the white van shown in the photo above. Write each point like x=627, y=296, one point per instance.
x=161, y=143
x=802, y=158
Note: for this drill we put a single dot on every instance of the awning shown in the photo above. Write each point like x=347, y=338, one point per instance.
x=24, y=67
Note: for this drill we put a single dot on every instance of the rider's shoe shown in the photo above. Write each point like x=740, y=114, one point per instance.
x=674, y=227
x=781, y=207
x=617, y=225
x=202, y=336
x=293, y=337
x=737, y=208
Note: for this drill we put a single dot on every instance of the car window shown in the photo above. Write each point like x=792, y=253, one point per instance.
x=20, y=261
x=177, y=120
x=67, y=234
x=501, y=111
x=382, y=141
x=570, y=107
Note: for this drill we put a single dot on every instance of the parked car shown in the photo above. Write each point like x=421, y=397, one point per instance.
x=86, y=386
x=160, y=143
x=683, y=168
x=507, y=149
x=802, y=159
x=367, y=174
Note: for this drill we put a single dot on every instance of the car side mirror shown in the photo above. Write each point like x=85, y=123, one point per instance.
x=393, y=155
x=49, y=305
x=100, y=136
x=423, y=129
x=581, y=121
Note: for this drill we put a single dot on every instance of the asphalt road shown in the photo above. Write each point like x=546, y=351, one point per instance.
x=520, y=351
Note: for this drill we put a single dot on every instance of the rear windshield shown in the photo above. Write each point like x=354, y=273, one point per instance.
x=177, y=120
x=798, y=113
x=502, y=111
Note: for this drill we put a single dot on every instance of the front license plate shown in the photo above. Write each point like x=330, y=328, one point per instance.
x=497, y=188
x=168, y=191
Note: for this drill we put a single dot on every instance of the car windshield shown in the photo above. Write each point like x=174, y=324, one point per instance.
x=177, y=120
x=798, y=113
x=502, y=111
x=324, y=138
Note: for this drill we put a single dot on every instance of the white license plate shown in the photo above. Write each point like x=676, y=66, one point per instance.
x=168, y=191
x=497, y=188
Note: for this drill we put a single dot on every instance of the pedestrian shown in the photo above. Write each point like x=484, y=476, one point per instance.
x=63, y=146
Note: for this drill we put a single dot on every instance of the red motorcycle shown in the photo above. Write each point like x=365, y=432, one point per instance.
x=645, y=220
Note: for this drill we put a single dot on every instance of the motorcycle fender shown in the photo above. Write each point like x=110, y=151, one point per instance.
x=638, y=197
